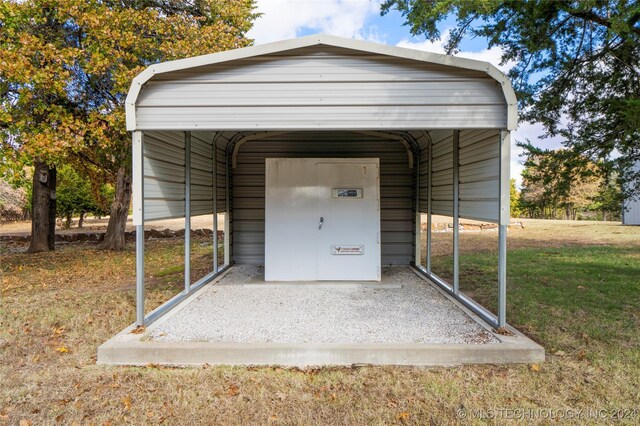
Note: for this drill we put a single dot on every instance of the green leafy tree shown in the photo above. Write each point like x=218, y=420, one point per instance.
x=561, y=184
x=65, y=71
x=577, y=62
x=610, y=198
x=75, y=196
x=516, y=209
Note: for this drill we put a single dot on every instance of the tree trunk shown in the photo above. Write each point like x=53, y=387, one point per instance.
x=51, y=237
x=43, y=202
x=67, y=222
x=114, y=237
x=81, y=220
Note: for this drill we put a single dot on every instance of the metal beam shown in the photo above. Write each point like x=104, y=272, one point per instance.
x=140, y=274
x=227, y=216
x=215, y=206
x=138, y=220
x=502, y=275
x=456, y=211
x=187, y=211
x=505, y=217
x=466, y=301
x=418, y=239
x=175, y=300
x=429, y=196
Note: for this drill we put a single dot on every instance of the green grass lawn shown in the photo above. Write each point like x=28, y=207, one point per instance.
x=574, y=288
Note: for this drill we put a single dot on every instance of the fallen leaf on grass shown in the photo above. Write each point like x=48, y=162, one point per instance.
x=503, y=331
x=126, y=401
x=25, y=422
x=535, y=367
x=233, y=390
x=62, y=350
x=560, y=353
x=403, y=416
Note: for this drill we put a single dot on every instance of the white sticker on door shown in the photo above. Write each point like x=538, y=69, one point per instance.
x=346, y=250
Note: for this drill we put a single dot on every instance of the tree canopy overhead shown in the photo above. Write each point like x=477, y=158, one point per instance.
x=66, y=68
x=577, y=64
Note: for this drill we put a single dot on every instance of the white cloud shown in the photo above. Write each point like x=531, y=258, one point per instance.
x=284, y=19
x=493, y=55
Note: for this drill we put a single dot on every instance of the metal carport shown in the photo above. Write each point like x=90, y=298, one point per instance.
x=203, y=126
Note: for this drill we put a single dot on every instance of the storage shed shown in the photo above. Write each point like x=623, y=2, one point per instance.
x=631, y=206
x=322, y=152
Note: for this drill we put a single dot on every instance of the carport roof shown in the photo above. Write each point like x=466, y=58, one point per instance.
x=327, y=40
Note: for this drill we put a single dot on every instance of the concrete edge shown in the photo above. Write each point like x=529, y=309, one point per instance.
x=325, y=285
x=137, y=352
x=127, y=348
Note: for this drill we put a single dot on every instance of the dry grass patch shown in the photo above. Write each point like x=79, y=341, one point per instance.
x=56, y=308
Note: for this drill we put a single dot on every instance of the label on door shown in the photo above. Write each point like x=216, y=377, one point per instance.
x=347, y=250
x=346, y=192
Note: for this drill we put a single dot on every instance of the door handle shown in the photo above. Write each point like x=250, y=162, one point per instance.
x=321, y=222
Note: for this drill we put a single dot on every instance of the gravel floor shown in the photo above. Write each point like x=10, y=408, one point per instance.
x=230, y=312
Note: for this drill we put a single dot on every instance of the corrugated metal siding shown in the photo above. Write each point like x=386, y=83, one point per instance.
x=479, y=161
x=396, y=188
x=164, y=175
x=479, y=171
x=442, y=172
x=321, y=88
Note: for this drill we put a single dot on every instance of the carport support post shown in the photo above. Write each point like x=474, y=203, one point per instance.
x=429, y=196
x=215, y=207
x=187, y=212
x=417, y=239
x=227, y=216
x=456, y=212
x=138, y=220
x=505, y=217
x=502, y=275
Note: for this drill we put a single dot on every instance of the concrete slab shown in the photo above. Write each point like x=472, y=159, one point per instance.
x=257, y=281
x=128, y=348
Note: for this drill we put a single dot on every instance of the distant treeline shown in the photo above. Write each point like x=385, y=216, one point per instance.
x=560, y=184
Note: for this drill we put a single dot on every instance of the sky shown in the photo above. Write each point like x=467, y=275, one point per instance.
x=360, y=19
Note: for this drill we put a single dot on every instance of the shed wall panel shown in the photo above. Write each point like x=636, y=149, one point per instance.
x=396, y=188
x=479, y=169
x=164, y=174
x=631, y=206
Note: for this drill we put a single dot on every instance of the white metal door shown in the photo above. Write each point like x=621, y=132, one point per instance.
x=349, y=221
x=322, y=219
x=291, y=210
